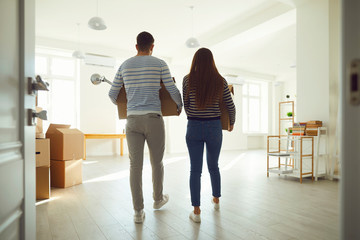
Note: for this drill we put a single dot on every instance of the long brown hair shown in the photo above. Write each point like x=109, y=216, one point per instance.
x=204, y=79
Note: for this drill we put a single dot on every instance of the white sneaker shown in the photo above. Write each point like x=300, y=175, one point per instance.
x=162, y=202
x=195, y=217
x=216, y=205
x=139, y=216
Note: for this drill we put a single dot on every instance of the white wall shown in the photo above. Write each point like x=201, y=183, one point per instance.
x=289, y=88
x=97, y=113
x=277, y=90
x=176, y=126
x=318, y=48
x=236, y=140
x=313, y=61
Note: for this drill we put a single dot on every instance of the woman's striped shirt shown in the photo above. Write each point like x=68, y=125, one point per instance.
x=210, y=112
x=141, y=76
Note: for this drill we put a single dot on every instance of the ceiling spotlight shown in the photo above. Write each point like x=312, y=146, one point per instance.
x=78, y=54
x=192, y=43
x=97, y=23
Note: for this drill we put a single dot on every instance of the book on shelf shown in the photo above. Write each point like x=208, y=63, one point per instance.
x=299, y=124
x=298, y=133
x=313, y=125
x=311, y=132
x=311, y=129
x=298, y=129
x=315, y=122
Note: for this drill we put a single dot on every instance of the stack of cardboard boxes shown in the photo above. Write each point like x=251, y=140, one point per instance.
x=58, y=157
x=42, y=156
x=67, y=151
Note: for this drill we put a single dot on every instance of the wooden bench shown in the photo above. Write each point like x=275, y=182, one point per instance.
x=105, y=136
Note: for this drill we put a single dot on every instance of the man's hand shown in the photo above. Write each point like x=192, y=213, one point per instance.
x=231, y=127
x=179, y=110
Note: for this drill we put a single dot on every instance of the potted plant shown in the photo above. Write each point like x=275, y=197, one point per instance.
x=289, y=114
x=287, y=130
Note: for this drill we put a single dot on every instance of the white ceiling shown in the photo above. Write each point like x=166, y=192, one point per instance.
x=257, y=36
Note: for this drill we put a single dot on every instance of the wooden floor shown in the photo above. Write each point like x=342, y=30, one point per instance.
x=252, y=205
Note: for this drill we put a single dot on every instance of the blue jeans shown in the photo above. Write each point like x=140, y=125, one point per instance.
x=200, y=133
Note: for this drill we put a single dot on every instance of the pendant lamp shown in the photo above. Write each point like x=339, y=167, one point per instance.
x=192, y=42
x=97, y=23
x=77, y=53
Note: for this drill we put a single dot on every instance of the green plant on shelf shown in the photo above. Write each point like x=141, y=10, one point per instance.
x=286, y=130
x=289, y=114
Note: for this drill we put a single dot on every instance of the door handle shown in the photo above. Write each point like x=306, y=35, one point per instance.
x=32, y=114
x=355, y=82
x=36, y=85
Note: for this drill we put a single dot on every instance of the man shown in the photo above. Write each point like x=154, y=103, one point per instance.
x=141, y=76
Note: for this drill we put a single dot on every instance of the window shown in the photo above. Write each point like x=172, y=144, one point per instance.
x=60, y=71
x=255, y=108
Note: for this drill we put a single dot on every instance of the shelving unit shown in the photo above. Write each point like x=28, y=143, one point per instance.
x=303, y=155
x=284, y=108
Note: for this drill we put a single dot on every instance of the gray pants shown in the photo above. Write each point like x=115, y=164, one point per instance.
x=149, y=127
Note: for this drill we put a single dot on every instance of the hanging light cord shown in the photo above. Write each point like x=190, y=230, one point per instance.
x=78, y=33
x=192, y=20
x=97, y=8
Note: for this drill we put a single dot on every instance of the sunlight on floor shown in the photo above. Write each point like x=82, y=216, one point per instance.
x=46, y=201
x=233, y=162
x=87, y=162
x=125, y=173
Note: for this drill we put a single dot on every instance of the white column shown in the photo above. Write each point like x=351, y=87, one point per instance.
x=312, y=61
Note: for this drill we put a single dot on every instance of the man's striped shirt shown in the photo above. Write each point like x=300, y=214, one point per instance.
x=210, y=112
x=141, y=76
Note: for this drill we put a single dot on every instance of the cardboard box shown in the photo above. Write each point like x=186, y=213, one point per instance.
x=42, y=152
x=168, y=105
x=225, y=120
x=42, y=183
x=39, y=125
x=65, y=143
x=66, y=173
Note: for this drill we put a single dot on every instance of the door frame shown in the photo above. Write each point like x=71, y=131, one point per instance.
x=27, y=133
x=350, y=122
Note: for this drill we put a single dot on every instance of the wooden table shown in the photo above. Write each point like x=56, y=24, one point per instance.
x=105, y=136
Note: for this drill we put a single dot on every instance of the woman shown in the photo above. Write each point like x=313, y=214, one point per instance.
x=203, y=91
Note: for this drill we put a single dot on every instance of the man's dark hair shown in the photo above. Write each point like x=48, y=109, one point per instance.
x=144, y=41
